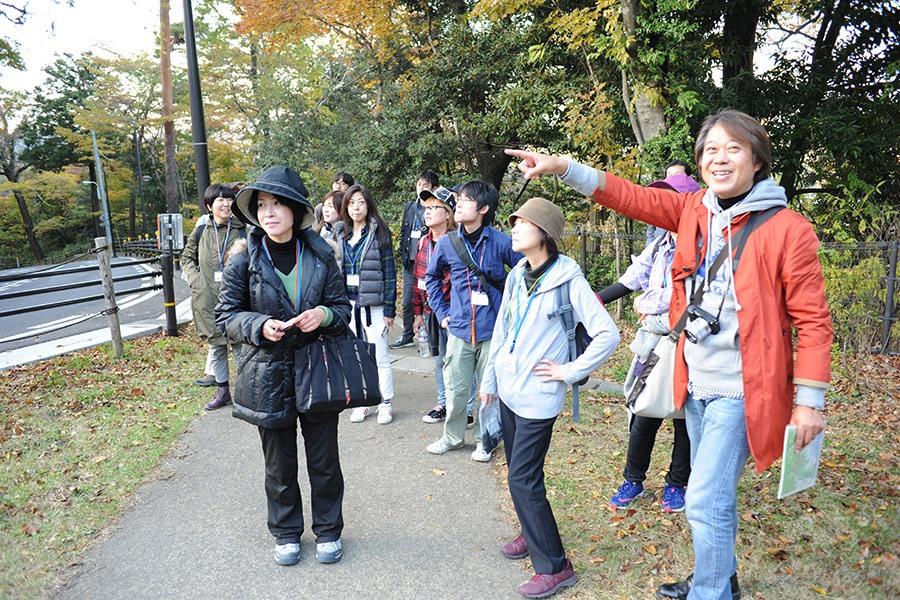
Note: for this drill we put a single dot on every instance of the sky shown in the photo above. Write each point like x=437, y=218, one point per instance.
x=105, y=27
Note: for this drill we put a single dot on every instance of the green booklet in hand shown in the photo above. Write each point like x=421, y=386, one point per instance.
x=798, y=469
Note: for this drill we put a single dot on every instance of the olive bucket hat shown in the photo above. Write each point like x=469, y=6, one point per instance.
x=283, y=182
x=544, y=214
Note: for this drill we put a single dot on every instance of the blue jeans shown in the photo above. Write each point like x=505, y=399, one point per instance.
x=719, y=451
x=439, y=376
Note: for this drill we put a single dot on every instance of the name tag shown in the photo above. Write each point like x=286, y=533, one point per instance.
x=421, y=284
x=217, y=276
x=415, y=234
x=479, y=298
x=353, y=280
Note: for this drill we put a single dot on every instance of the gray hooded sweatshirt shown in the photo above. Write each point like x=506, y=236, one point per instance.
x=509, y=370
x=714, y=364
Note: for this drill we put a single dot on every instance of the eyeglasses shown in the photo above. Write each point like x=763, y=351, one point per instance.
x=427, y=208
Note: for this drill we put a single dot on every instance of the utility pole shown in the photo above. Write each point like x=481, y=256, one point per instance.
x=198, y=124
x=140, y=179
x=101, y=190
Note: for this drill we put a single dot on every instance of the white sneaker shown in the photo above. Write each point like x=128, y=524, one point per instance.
x=479, y=455
x=287, y=554
x=359, y=414
x=385, y=414
x=440, y=447
x=329, y=552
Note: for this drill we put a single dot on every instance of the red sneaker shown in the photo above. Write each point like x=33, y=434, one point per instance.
x=515, y=549
x=543, y=585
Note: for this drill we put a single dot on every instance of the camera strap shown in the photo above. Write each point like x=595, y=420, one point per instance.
x=755, y=221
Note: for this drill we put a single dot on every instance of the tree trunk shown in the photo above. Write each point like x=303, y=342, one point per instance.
x=647, y=120
x=165, y=67
x=821, y=68
x=263, y=124
x=739, y=45
x=29, y=226
x=491, y=163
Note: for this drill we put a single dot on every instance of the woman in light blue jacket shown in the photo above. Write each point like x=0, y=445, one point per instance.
x=529, y=370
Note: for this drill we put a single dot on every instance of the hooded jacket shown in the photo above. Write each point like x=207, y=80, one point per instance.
x=508, y=372
x=251, y=294
x=779, y=286
x=200, y=261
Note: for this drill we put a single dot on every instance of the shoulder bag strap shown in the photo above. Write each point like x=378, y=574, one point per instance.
x=755, y=221
x=460, y=246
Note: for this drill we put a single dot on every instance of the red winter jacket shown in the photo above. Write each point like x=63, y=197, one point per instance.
x=780, y=287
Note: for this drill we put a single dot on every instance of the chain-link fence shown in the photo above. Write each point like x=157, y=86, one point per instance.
x=860, y=283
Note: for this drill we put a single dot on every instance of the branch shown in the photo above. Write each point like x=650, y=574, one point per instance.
x=19, y=14
x=791, y=32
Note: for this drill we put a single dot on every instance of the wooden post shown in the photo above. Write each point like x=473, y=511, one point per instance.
x=112, y=311
x=889, y=298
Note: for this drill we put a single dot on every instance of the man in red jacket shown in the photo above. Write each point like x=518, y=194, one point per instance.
x=737, y=379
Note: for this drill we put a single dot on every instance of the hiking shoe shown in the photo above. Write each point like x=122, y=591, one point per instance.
x=329, y=552
x=359, y=414
x=515, y=549
x=437, y=414
x=287, y=554
x=628, y=492
x=385, y=413
x=222, y=398
x=479, y=455
x=441, y=446
x=206, y=381
x=470, y=421
x=673, y=498
x=543, y=585
x=401, y=341
x=680, y=589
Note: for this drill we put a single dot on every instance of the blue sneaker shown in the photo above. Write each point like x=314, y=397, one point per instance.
x=329, y=552
x=628, y=492
x=287, y=554
x=673, y=498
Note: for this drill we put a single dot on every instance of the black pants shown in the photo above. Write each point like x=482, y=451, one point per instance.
x=285, y=510
x=641, y=439
x=526, y=442
x=408, y=282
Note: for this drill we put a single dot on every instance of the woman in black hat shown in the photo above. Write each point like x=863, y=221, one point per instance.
x=283, y=292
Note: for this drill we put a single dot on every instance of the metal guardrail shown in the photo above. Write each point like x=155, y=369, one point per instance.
x=104, y=267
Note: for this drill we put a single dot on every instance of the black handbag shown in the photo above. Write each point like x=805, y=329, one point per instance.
x=335, y=373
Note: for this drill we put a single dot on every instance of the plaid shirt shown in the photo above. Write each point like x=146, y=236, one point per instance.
x=420, y=296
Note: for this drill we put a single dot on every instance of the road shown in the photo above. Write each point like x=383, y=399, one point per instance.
x=44, y=325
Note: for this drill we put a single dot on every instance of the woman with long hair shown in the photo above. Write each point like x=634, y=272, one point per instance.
x=371, y=278
x=331, y=225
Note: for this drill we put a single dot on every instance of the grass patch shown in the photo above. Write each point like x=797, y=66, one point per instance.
x=838, y=540
x=77, y=435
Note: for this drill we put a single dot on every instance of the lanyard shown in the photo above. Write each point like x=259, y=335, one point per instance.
x=480, y=264
x=531, y=293
x=355, y=255
x=299, y=267
x=221, y=250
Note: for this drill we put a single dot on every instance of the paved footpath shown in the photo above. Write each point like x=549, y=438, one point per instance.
x=417, y=526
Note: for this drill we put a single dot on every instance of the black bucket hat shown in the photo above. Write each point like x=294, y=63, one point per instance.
x=281, y=181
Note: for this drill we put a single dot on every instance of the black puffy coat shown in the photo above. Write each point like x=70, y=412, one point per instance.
x=251, y=294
